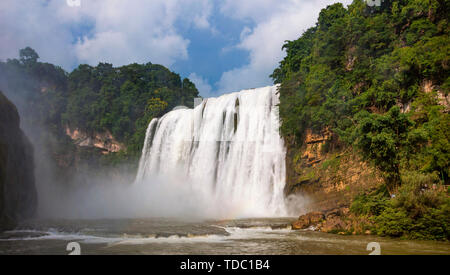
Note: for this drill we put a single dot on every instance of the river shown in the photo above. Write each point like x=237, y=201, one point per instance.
x=261, y=236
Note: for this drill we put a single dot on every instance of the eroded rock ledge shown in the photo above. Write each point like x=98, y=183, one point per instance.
x=104, y=141
x=338, y=220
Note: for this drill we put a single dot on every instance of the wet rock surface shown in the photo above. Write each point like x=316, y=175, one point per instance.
x=332, y=221
x=308, y=220
x=18, y=197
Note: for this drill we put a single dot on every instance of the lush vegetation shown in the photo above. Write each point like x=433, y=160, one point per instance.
x=420, y=209
x=97, y=99
x=378, y=78
x=123, y=100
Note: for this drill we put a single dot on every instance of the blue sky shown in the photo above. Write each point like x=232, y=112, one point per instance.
x=222, y=45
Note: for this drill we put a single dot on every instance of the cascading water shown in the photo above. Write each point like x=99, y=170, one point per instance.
x=226, y=154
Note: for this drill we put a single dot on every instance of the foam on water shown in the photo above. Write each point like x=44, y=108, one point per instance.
x=233, y=234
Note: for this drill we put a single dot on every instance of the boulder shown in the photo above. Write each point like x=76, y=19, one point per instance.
x=334, y=224
x=334, y=220
x=307, y=220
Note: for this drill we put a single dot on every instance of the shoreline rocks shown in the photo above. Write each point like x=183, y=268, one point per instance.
x=308, y=220
x=338, y=220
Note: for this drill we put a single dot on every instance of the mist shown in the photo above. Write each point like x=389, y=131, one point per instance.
x=103, y=198
x=85, y=191
x=173, y=197
x=21, y=90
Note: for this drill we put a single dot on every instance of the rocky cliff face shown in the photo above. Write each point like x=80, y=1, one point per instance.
x=327, y=173
x=104, y=141
x=18, y=197
x=442, y=98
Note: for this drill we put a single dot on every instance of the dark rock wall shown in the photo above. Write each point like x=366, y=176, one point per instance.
x=18, y=196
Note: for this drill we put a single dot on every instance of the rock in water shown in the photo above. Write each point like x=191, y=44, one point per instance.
x=310, y=219
x=18, y=196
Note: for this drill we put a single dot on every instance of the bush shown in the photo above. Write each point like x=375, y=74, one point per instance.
x=420, y=210
x=392, y=222
x=416, y=195
x=397, y=222
x=371, y=204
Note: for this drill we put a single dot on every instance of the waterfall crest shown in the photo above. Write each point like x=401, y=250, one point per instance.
x=227, y=152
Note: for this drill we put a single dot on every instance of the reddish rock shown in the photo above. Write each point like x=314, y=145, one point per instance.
x=334, y=223
x=308, y=220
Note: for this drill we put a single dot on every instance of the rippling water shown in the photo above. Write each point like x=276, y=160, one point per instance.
x=170, y=236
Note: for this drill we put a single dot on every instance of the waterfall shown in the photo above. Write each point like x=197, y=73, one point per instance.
x=227, y=152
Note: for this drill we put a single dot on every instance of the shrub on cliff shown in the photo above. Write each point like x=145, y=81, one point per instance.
x=431, y=225
x=420, y=209
x=379, y=138
x=370, y=204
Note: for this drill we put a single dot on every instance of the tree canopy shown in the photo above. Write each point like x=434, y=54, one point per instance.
x=378, y=78
x=120, y=100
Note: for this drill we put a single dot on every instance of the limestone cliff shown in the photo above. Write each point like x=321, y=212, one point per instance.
x=104, y=141
x=328, y=173
x=18, y=197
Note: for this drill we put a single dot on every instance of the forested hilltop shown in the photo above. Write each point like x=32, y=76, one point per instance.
x=97, y=114
x=373, y=84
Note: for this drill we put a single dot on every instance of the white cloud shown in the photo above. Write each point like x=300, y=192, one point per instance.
x=132, y=31
x=35, y=24
x=201, y=19
x=202, y=85
x=126, y=31
x=275, y=21
x=256, y=10
x=122, y=31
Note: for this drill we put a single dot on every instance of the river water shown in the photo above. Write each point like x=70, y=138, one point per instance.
x=269, y=236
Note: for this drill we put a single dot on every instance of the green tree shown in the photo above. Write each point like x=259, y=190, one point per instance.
x=381, y=138
x=28, y=56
